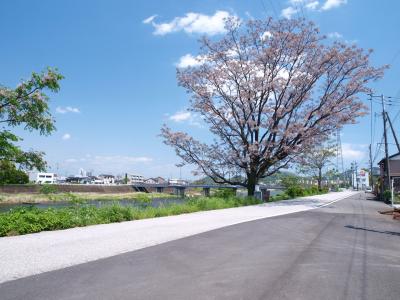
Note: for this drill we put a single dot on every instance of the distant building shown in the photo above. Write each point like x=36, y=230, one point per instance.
x=156, y=180
x=177, y=182
x=107, y=179
x=78, y=180
x=360, y=180
x=46, y=178
x=134, y=178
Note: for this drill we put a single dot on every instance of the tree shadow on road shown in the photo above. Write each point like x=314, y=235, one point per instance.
x=373, y=230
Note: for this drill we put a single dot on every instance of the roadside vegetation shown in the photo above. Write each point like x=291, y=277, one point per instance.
x=294, y=189
x=30, y=220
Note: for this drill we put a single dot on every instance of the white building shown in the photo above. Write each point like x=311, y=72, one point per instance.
x=361, y=180
x=107, y=179
x=134, y=178
x=46, y=178
x=177, y=182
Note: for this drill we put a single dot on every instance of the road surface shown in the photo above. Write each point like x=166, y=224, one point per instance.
x=345, y=250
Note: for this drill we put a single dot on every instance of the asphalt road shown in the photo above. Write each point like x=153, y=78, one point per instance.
x=343, y=251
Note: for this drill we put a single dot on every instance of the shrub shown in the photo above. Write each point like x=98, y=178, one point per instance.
x=224, y=193
x=387, y=195
x=9, y=174
x=48, y=189
x=295, y=191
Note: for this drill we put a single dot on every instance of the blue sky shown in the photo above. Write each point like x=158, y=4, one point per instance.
x=119, y=60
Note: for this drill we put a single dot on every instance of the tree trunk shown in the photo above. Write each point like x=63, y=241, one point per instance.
x=320, y=179
x=251, y=184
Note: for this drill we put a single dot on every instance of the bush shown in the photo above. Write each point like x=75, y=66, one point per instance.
x=48, y=189
x=290, y=181
x=295, y=191
x=387, y=195
x=224, y=193
x=9, y=174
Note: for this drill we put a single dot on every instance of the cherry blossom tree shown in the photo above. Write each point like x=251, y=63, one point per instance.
x=268, y=89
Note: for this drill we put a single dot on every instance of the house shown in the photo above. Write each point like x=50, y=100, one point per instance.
x=156, y=180
x=78, y=180
x=46, y=178
x=107, y=179
x=134, y=178
x=394, y=169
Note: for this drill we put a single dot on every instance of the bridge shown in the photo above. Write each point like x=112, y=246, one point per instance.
x=179, y=189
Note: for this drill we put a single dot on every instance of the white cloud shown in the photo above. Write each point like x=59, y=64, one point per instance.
x=149, y=19
x=329, y=4
x=288, y=12
x=266, y=35
x=189, y=60
x=192, y=23
x=187, y=117
x=67, y=109
x=181, y=116
x=335, y=35
x=66, y=136
x=312, y=5
x=353, y=151
x=295, y=6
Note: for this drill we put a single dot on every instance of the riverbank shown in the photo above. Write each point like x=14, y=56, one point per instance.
x=46, y=198
x=24, y=220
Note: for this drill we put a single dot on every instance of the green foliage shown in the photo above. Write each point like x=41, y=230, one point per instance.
x=387, y=195
x=297, y=191
x=27, y=106
x=289, y=181
x=10, y=175
x=48, y=189
x=30, y=220
x=279, y=197
x=224, y=193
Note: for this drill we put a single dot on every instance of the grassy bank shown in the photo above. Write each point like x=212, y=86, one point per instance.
x=29, y=220
x=43, y=198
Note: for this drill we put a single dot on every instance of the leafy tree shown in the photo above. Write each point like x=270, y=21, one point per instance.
x=27, y=106
x=268, y=90
x=10, y=175
x=314, y=160
x=289, y=181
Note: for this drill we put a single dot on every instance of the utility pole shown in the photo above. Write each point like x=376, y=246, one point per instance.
x=356, y=167
x=386, y=182
x=393, y=132
x=352, y=175
x=370, y=167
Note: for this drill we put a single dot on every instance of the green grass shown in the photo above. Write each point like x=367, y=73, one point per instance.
x=42, y=198
x=30, y=220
